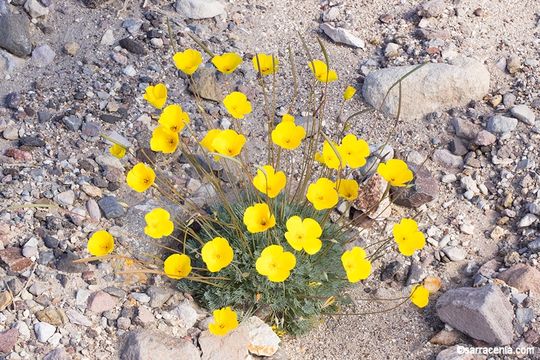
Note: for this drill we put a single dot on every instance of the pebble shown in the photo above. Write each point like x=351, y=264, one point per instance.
x=524, y=114
x=447, y=159
x=513, y=64
x=35, y=9
x=65, y=198
x=15, y=35
x=8, y=339
x=72, y=48
x=455, y=253
x=93, y=210
x=44, y=331
x=90, y=129
x=130, y=71
x=342, y=36
x=485, y=138
x=108, y=38
x=527, y=220
x=43, y=55
x=111, y=208
x=100, y=302
x=200, y=9
x=11, y=133
x=500, y=124
x=187, y=316
x=72, y=122
x=140, y=297
x=132, y=46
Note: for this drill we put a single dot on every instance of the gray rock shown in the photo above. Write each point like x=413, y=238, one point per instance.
x=31, y=141
x=65, y=263
x=35, y=9
x=44, y=331
x=331, y=14
x=90, y=129
x=93, y=210
x=200, y=9
x=447, y=159
x=534, y=245
x=43, y=55
x=425, y=189
x=72, y=122
x=342, y=36
x=111, y=208
x=133, y=46
x=527, y=220
x=483, y=313
x=392, y=50
x=524, y=114
x=465, y=129
x=57, y=354
x=77, y=318
x=432, y=8
x=485, y=138
x=187, y=315
x=15, y=34
x=65, y=198
x=431, y=88
x=500, y=124
x=3, y=11
x=159, y=295
x=455, y=253
x=149, y=345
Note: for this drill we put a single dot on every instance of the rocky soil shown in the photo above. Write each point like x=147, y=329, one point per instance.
x=72, y=70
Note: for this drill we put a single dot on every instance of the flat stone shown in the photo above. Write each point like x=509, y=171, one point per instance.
x=14, y=259
x=447, y=159
x=52, y=315
x=44, y=331
x=150, y=345
x=200, y=9
x=93, y=210
x=65, y=263
x=108, y=38
x=8, y=339
x=523, y=277
x=499, y=124
x=455, y=253
x=15, y=34
x=77, y=318
x=72, y=122
x=432, y=88
x=206, y=85
x=111, y=208
x=465, y=128
x=159, y=295
x=342, y=36
x=31, y=141
x=482, y=313
x=65, y=198
x=109, y=161
x=425, y=189
x=100, y=301
x=524, y=114
x=132, y=46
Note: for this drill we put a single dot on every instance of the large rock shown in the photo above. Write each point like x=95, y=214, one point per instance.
x=200, y=9
x=15, y=36
x=523, y=277
x=431, y=88
x=482, y=313
x=149, y=345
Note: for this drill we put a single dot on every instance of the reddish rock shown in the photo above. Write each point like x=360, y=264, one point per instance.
x=8, y=339
x=101, y=301
x=14, y=259
x=523, y=277
x=425, y=189
x=19, y=155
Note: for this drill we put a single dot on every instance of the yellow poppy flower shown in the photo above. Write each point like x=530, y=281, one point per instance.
x=407, y=236
x=229, y=143
x=265, y=64
x=275, y=264
x=177, y=266
x=321, y=71
x=322, y=194
x=419, y=296
x=348, y=189
x=288, y=135
x=237, y=104
x=158, y=223
x=173, y=118
x=227, y=62
x=225, y=320
x=164, y=140
x=287, y=118
x=156, y=95
x=396, y=172
x=349, y=93
x=100, y=243
x=118, y=151
x=217, y=254
x=304, y=234
x=208, y=140
x=258, y=218
x=354, y=151
x=187, y=61
x=356, y=266
x=140, y=177
x=331, y=155
x=269, y=182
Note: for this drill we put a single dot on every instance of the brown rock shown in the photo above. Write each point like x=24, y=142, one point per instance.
x=205, y=84
x=8, y=339
x=425, y=189
x=370, y=199
x=523, y=277
x=5, y=299
x=14, y=259
x=52, y=315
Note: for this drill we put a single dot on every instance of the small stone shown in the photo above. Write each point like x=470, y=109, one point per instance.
x=432, y=8
x=100, y=302
x=200, y=9
x=140, y=297
x=44, y=331
x=523, y=277
x=14, y=259
x=144, y=315
x=91, y=129
x=524, y=114
x=509, y=99
x=500, y=124
x=132, y=46
x=72, y=122
x=93, y=210
x=52, y=315
x=331, y=14
x=146, y=345
x=77, y=318
x=342, y=36
x=425, y=189
x=447, y=159
x=464, y=128
x=43, y=55
x=31, y=141
x=5, y=300
x=392, y=50
x=527, y=220
x=130, y=71
x=35, y=9
x=513, y=64
x=467, y=229
x=455, y=253
x=71, y=48
x=57, y=354
x=123, y=323
x=159, y=295
x=446, y=338
x=111, y=208
x=186, y=314
x=8, y=339
x=485, y=138
x=111, y=119
x=65, y=198
x=534, y=245
x=11, y=133
x=108, y=38
x=65, y=263
x=44, y=116
x=15, y=34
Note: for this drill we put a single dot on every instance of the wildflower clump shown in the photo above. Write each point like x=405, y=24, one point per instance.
x=269, y=239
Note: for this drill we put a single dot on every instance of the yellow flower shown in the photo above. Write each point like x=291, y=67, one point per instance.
x=407, y=236
x=331, y=155
x=396, y=172
x=321, y=71
x=237, y=104
x=173, y=118
x=177, y=266
x=348, y=189
x=304, y=234
x=355, y=264
x=265, y=64
x=164, y=140
x=258, y=218
x=140, y=177
x=217, y=254
x=158, y=223
x=288, y=135
x=322, y=194
x=227, y=62
x=187, y=61
x=349, y=93
x=319, y=157
x=229, y=143
x=225, y=320
x=208, y=140
x=275, y=264
x=287, y=118
x=100, y=243
x=419, y=296
x=354, y=151
x=118, y=151
x=156, y=95
x=269, y=182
